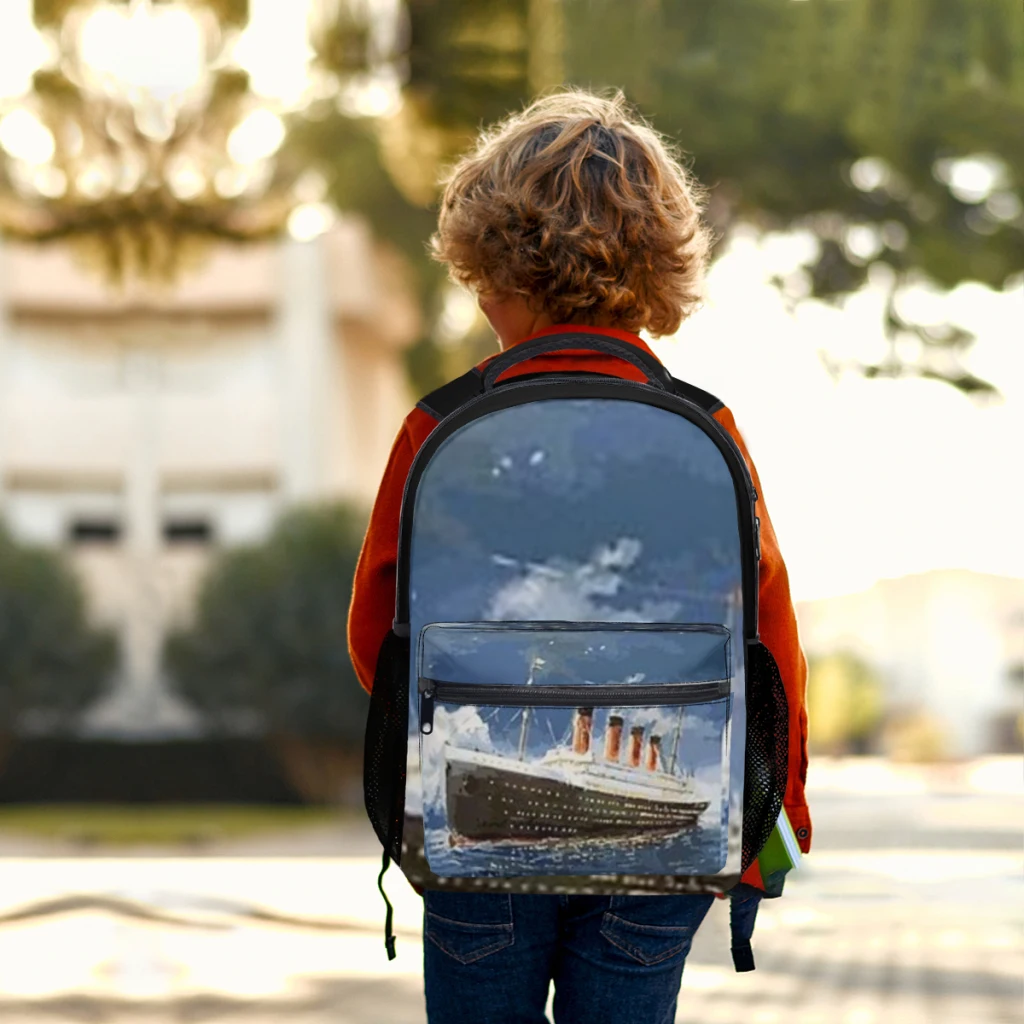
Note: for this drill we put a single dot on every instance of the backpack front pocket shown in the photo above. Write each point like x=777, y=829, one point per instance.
x=574, y=748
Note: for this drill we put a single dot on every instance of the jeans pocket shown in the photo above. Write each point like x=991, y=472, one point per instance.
x=653, y=930
x=647, y=944
x=468, y=926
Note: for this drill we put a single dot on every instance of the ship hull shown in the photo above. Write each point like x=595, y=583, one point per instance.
x=487, y=802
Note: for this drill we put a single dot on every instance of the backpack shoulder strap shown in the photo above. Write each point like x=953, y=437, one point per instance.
x=707, y=401
x=443, y=401
x=448, y=397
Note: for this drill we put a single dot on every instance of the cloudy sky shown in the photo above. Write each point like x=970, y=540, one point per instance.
x=578, y=510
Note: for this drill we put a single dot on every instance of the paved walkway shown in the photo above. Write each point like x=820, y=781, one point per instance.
x=909, y=912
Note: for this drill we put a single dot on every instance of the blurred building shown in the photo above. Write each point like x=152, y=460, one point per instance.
x=143, y=431
x=948, y=642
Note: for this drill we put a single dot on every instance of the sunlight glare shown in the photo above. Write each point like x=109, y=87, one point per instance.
x=377, y=95
x=159, y=52
x=274, y=50
x=50, y=181
x=309, y=221
x=25, y=137
x=458, y=316
x=23, y=51
x=258, y=136
x=971, y=179
x=880, y=450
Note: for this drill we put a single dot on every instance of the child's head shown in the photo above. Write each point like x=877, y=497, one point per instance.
x=579, y=208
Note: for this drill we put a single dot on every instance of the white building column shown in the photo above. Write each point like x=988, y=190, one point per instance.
x=305, y=327
x=143, y=633
x=137, y=705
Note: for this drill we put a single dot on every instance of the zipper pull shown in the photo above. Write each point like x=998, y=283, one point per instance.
x=427, y=711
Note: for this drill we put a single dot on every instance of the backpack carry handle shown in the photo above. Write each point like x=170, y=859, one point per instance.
x=653, y=370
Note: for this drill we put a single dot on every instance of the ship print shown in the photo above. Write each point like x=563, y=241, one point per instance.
x=577, y=764
x=572, y=793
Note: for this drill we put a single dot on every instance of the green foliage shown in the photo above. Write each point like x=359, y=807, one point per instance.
x=777, y=100
x=53, y=664
x=358, y=181
x=469, y=59
x=822, y=114
x=269, y=633
x=181, y=825
x=844, y=703
x=348, y=154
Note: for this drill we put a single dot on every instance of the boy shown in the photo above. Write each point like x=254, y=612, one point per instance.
x=571, y=214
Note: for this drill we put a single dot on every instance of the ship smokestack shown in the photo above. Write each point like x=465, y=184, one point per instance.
x=613, y=738
x=654, y=754
x=581, y=730
x=636, y=744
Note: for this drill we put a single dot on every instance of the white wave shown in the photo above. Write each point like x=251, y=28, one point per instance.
x=463, y=724
x=561, y=589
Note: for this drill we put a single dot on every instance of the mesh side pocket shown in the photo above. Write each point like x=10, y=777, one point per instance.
x=384, y=750
x=767, y=750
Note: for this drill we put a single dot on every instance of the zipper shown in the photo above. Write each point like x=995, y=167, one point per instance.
x=571, y=626
x=502, y=695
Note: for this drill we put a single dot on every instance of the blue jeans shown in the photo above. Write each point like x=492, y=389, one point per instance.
x=489, y=958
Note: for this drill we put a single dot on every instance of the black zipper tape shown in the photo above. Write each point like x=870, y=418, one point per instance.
x=573, y=626
x=556, y=696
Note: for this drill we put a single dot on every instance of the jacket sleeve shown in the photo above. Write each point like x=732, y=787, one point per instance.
x=373, y=589
x=778, y=628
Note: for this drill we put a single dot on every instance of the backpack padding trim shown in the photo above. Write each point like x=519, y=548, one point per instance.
x=556, y=386
x=443, y=401
x=704, y=399
x=650, y=365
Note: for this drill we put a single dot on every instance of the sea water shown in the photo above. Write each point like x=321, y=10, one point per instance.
x=699, y=850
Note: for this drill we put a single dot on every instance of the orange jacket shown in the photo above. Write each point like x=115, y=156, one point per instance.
x=373, y=594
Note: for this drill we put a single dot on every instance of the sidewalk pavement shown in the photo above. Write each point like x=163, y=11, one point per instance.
x=868, y=932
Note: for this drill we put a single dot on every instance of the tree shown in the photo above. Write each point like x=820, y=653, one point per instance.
x=53, y=664
x=267, y=649
x=891, y=129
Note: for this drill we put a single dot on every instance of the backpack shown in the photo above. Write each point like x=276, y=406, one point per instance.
x=573, y=697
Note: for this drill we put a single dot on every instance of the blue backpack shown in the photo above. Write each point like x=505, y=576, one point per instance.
x=573, y=697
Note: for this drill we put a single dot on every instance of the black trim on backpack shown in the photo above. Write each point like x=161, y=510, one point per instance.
x=448, y=397
x=704, y=399
x=445, y=400
x=442, y=402
x=553, y=386
x=619, y=348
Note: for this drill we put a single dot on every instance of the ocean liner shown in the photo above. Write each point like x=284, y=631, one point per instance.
x=570, y=794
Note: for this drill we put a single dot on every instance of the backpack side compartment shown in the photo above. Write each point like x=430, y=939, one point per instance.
x=384, y=748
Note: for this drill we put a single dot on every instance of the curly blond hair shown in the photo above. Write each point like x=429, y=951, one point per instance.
x=578, y=205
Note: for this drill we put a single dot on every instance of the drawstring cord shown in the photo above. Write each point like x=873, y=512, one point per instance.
x=389, y=935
